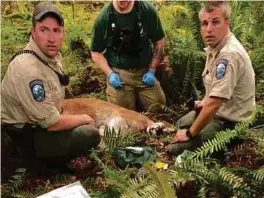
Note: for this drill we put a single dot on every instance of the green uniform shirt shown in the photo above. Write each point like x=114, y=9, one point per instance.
x=102, y=34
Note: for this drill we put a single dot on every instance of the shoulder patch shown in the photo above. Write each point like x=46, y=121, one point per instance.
x=37, y=90
x=221, y=68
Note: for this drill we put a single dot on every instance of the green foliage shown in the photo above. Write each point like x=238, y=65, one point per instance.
x=209, y=174
x=258, y=175
x=15, y=187
x=12, y=40
x=78, y=22
x=248, y=25
x=109, y=192
x=221, y=139
x=211, y=177
x=258, y=138
x=157, y=184
x=185, y=49
x=182, y=47
x=118, y=139
x=17, y=179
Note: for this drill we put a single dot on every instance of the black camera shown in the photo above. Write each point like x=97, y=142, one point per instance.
x=63, y=78
x=190, y=103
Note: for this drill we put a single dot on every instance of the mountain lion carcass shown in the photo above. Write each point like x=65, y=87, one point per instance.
x=111, y=115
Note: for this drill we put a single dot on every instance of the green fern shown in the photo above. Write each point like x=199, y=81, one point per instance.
x=259, y=175
x=231, y=179
x=222, y=138
x=161, y=180
x=17, y=180
x=156, y=185
x=210, y=175
x=202, y=192
x=118, y=139
x=135, y=186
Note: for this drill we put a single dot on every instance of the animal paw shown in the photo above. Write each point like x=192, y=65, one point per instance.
x=159, y=128
x=156, y=128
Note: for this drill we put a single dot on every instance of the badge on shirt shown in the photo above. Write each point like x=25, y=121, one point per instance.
x=37, y=90
x=221, y=68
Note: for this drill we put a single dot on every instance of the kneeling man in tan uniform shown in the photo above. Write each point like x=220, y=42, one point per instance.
x=228, y=79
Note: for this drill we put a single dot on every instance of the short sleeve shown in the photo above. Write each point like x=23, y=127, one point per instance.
x=226, y=72
x=155, y=30
x=99, y=31
x=34, y=94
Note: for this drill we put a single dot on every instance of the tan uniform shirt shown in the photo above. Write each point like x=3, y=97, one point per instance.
x=31, y=91
x=229, y=74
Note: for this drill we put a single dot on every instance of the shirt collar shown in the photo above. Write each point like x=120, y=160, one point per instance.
x=33, y=46
x=214, y=51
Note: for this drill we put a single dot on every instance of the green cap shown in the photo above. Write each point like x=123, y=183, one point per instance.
x=46, y=7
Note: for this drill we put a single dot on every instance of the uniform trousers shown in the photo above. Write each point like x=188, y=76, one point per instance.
x=34, y=141
x=135, y=90
x=208, y=132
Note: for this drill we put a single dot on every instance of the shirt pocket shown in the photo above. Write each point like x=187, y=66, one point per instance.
x=207, y=79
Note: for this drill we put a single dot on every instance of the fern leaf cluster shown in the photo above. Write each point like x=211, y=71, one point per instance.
x=114, y=139
x=222, y=138
x=156, y=185
x=258, y=175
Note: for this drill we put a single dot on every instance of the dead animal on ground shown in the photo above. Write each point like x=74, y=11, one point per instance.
x=113, y=116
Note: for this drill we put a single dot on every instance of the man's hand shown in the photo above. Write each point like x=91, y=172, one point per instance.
x=87, y=119
x=149, y=78
x=70, y=121
x=114, y=80
x=180, y=136
x=198, y=104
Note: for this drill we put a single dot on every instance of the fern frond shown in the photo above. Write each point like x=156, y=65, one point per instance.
x=161, y=180
x=209, y=174
x=222, y=138
x=116, y=139
x=202, y=191
x=198, y=170
x=139, y=186
x=258, y=175
x=23, y=194
x=17, y=180
x=232, y=179
x=156, y=185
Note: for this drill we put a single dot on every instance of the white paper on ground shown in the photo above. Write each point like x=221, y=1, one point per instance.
x=74, y=190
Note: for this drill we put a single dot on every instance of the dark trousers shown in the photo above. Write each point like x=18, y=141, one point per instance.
x=208, y=132
x=37, y=142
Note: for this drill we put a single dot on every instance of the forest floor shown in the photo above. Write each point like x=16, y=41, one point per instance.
x=242, y=153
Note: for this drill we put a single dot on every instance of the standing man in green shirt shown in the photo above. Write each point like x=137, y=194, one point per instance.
x=127, y=44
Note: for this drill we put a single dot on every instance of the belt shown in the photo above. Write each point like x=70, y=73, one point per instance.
x=227, y=123
x=130, y=69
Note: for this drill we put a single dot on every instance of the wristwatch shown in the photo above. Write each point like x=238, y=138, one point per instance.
x=188, y=134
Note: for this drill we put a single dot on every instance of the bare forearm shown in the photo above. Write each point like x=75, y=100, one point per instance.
x=158, y=53
x=101, y=61
x=207, y=113
x=70, y=121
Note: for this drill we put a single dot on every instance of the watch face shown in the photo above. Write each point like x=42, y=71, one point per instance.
x=188, y=133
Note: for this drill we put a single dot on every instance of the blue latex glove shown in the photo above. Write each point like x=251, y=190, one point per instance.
x=114, y=80
x=149, y=78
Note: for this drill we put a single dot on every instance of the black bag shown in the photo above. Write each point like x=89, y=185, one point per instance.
x=134, y=156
